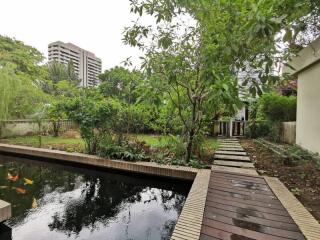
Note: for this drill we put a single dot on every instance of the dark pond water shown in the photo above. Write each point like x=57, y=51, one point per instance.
x=51, y=201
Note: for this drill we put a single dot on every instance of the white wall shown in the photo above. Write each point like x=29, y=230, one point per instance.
x=308, y=108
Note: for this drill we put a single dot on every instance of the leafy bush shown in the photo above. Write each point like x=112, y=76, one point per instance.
x=176, y=146
x=56, y=113
x=255, y=129
x=95, y=115
x=270, y=110
x=126, y=150
x=276, y=108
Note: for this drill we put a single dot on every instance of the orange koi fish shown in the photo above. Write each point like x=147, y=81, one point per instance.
x=13, y=178
x=20, y=190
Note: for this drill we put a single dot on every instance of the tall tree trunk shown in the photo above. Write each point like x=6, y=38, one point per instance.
x=190, y=145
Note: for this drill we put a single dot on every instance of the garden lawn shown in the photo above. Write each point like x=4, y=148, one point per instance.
x=77, y=144
x=60, y=143
x=210, y=144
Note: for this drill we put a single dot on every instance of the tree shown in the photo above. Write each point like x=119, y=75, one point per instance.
x=19, y=70
x=59, y=75
x=96, y=116
x=122, y=84
x=198, y=47
x=22, y=58
x=56, y=113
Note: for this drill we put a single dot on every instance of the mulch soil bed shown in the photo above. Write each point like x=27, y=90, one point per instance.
x=302, y=178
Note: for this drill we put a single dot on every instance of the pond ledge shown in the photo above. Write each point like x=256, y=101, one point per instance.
x=5, y=211
x=190, y=220
x=149, y=168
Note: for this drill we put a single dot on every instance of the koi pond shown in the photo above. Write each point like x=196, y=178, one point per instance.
x=51, y=201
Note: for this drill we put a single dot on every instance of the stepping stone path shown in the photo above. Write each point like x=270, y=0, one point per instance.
x=232, y=158
x=231, y=154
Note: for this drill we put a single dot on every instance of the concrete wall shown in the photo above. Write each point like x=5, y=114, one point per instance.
x=288, y=132
x=14, y=128
x=307, y=69
x=308, y=108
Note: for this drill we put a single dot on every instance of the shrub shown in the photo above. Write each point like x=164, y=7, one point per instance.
x=270, y=110
x=95, y=115
x=126, y=150
x=255, y=129
x=276, y=108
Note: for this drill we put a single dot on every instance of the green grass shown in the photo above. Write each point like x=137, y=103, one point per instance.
x=152, y=140
x=211, y=144
x=46, y=140
x=160, y=141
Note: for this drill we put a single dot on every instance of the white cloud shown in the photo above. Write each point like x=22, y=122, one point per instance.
x=94, y=25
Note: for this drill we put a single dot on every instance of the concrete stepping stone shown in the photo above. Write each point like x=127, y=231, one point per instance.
x=233, y=158
x=231, y=153
x=228, y=141
x=235, y=170
x=230, y=149
x=233, y=164
x=230, y=145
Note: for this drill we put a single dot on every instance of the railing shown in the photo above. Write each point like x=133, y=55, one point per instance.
x=21, y=127
x=229, y=128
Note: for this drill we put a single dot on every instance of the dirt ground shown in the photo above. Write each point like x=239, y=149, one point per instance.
x=302, y=179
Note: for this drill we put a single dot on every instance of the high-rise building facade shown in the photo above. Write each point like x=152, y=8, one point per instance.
x=86, y=65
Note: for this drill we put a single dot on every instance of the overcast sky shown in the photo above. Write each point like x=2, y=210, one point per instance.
x=95, y=25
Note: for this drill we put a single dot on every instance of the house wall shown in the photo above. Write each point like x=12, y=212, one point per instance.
x=308, y=108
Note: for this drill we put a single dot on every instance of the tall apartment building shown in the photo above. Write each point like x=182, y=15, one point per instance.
x=87, y=66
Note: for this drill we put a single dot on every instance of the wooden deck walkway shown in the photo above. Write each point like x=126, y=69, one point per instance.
x=243, y=207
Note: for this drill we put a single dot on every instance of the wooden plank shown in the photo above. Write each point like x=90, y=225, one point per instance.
x=241, y=206
x=213, y=232
x=242, y=180
x=231, y=153
x=236, y=230
x=240, y=191
x=250, y=202
x=247, y=188
x=254, y=226
x=233, y=164
x=235, y=170
x=211, y=201
x=206, y=237
x=272, y=223
x=250, y=212
x=228, y=157
x=246, y=196
x=239, y=176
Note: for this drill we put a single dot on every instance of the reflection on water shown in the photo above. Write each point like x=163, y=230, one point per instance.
x=5, y=232
x=51, y=201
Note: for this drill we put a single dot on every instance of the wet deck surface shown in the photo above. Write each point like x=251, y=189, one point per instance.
x=243, y=207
